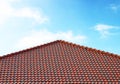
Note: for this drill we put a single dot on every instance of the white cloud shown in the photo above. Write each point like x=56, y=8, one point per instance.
x=114, y=7
x=104, y=29
x=31, y=14
x=7, y=11
x=42, y=36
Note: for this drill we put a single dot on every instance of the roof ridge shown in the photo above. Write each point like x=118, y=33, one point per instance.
x=24, y=50
x=65, y=42
x=92, y=49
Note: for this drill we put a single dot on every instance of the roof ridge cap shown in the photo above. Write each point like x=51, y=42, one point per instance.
x=65, y=42
x=92, y=49
x=24, y=50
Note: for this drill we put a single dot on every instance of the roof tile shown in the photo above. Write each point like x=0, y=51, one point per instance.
x=60, y=62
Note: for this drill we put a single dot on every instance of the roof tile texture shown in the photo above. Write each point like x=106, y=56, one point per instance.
x=60, y=62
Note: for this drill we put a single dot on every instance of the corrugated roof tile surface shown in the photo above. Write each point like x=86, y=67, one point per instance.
x=60, y=62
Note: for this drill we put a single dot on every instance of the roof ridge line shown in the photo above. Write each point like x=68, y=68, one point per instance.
x=92, y=49
x=24, y=50
x=65, y=42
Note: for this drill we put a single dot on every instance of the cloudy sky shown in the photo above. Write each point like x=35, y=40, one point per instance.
x=28, y=23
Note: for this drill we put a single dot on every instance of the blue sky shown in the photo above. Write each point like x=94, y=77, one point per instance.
x=28, y=23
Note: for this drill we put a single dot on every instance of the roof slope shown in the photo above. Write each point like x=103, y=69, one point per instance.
x=60, y=62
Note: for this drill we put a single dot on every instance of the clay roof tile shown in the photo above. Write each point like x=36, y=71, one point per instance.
x=60, y=62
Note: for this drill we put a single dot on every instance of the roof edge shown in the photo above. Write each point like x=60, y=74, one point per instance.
x=65, y=42
x=24, y=50
x=92, y=49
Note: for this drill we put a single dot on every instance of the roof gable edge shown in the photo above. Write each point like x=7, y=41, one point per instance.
x=65, y=42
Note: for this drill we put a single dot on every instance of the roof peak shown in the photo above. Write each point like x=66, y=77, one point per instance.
x=65, y=42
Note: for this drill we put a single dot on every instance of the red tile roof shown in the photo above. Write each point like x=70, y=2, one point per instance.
x=60, y=62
